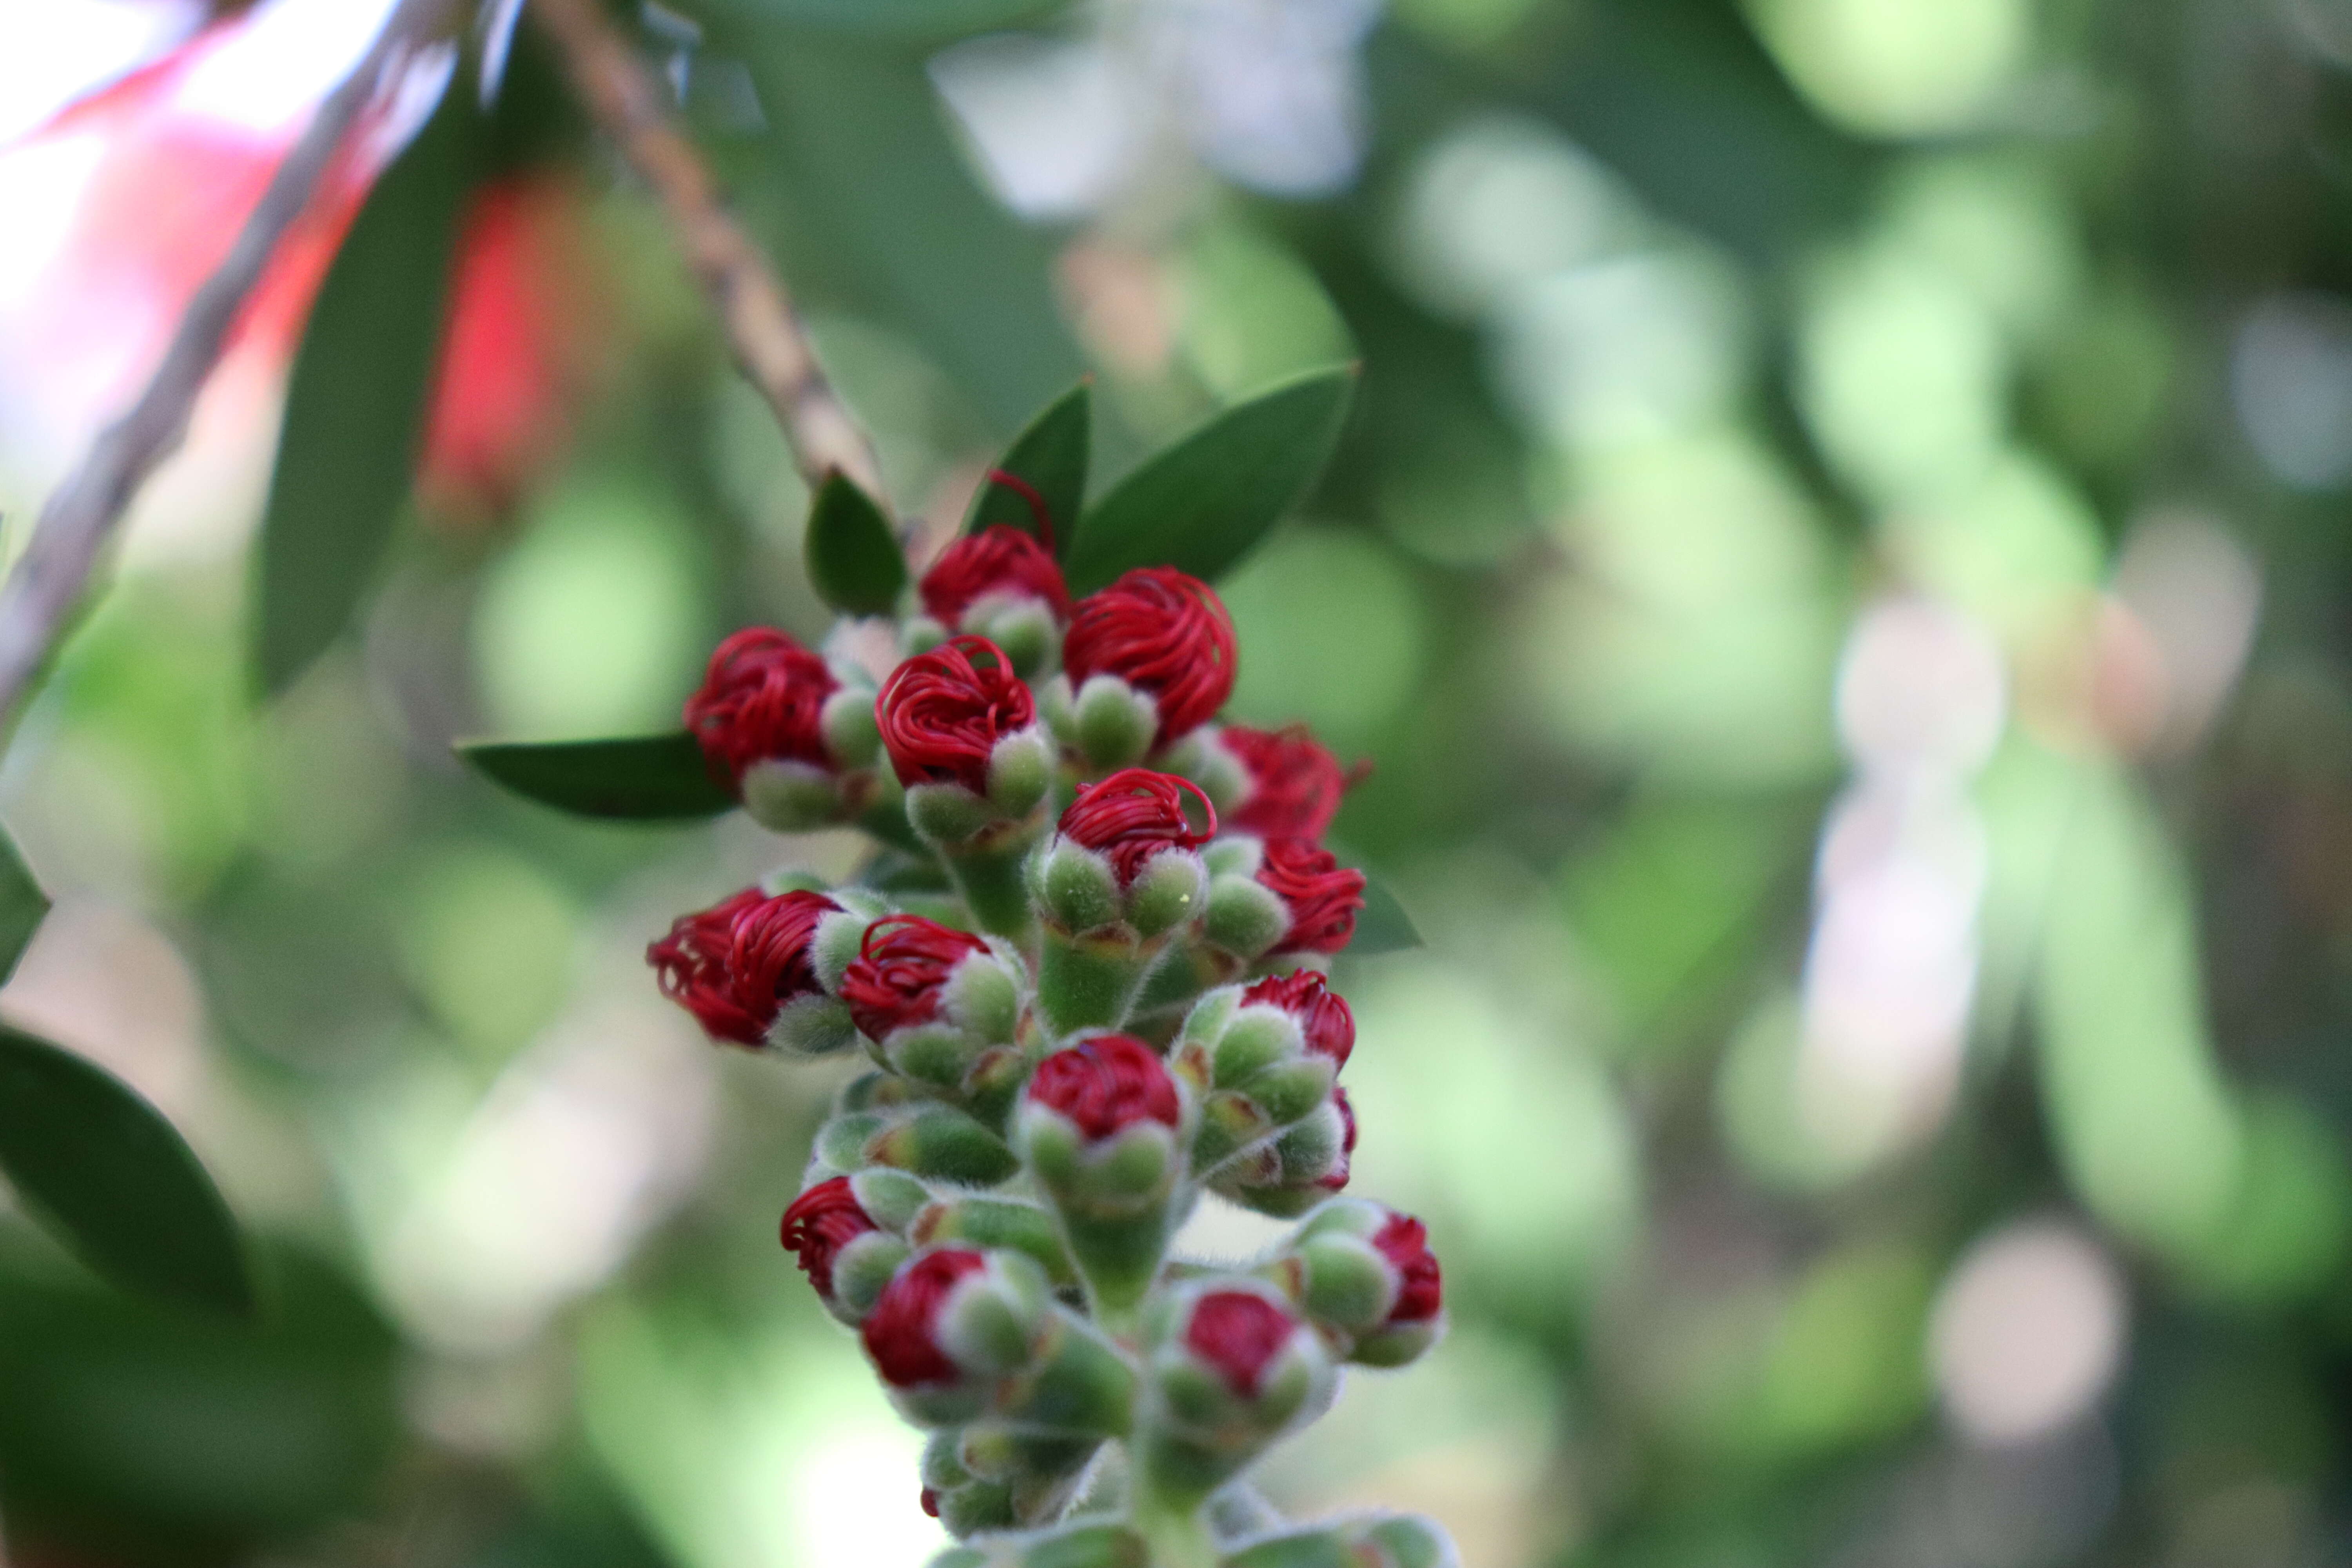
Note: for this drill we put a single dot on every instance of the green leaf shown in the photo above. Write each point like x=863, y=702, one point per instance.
x=870, y=205
x=647, y=778
x=1202, y=503
x=22, y=906
x=355, y=403
x=102, y=1170
x=853, y=558
x=1050, y=458
x=1382, y=925
x=915, y=21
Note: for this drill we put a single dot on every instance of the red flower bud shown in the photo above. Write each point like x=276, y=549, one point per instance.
x=1337, y=1180
x=820, y=1223
x=1134, y=815
x=901, y=966
x=1322, y=1013
x=734, y=966
x=761, y=698
x=1161, y=632
x=1295, y=782
x=1405, y=1242
x=900, y=1332
x=997, y=560
x=1322, y=895
x=1238, y=1332
x=1107, y=1083
x=942, y=712
x=930, y=1501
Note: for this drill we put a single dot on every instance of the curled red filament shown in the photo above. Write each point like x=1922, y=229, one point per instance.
x=902, y=966
x=1136, y=813
x=1239, y=1333
x=820, y=1223
x=1164, y=633
x=1322, y=1013
x=1104, y=1084
x=902, y=1333
x=997, y=560
x=1295, y=782
x=1405, y=1242
x=1322, y=895
x=762, y=698
x=942, y=712
x=735, y=965
x=1335, y=1178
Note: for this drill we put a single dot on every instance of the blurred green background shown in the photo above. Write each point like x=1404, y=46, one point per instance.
x=1838, y=564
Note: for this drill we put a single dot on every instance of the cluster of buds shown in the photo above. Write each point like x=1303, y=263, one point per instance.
x=1090, y=996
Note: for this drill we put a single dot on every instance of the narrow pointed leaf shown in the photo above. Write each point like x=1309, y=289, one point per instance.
x=102, y=1170
x=853, y=558
x=1044, y=470
x=23, y=906
x=1202, y=503
x=1382, y=925
x=356, y=401
x=647, y=778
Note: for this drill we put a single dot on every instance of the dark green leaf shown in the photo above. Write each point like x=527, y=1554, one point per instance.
x=103, y=1169
x=853, y=558
x=918, y=21
x=647, y=778
x=1050, y=458
x=860, y=189
x=355, y=402
x=22, y=906
x=1202, y=502
x=1382, y=925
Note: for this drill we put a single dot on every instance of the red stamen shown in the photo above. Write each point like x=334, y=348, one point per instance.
x=762, y=698
x=1295, y=782
x=1161, y=632
x=902, y=964
x=902, y=1332
x=735, y=965
x=1337, y=1178
x=1322, y=1013
x=998, y=559
x=1028, y=492
x=1322, y=895
x=1239, y=1333
x=1107, y=1083
x=820, y=1223
x=1136, y=813
x=942, y=712
x=1405, y=1242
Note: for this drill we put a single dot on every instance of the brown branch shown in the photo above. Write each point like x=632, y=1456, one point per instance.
x=765, y=332
x=81, y=515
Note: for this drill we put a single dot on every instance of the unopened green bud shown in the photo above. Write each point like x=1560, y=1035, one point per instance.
x=1243, y=918
x=929, y=1138
x=947, y=813
x=978, y=1220
x=1231, y=1366
x=1203, y=758
x=784, y=796
x=1020, y=772
x=1112, y=724
x=851, y=738
x=812, y=1027
x=1379, y=1541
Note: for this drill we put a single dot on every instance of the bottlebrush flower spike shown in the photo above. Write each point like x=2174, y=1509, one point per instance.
x=792, y=742
x=1146, y=662
x=1081, y=1021
x=746, y=969
x=1291, y=783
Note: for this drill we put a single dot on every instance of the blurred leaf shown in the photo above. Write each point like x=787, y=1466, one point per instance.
x=854, y=559
x=22, y=906
x=103, y=1170
x=356, y=401
x=1382, y=925
x=869, y=203
x=910, y=20
x=1202, y=503
x=1050, y=458
x=642, y=778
